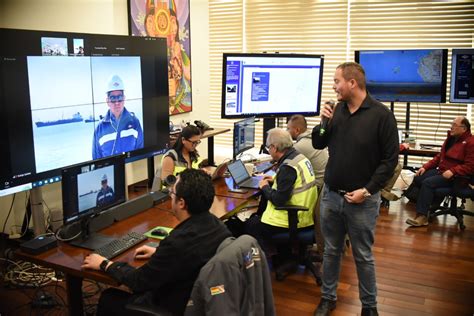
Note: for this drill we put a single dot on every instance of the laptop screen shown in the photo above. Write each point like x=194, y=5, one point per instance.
x=238, y=171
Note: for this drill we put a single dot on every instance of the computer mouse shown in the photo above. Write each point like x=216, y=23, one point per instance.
x=159, y=232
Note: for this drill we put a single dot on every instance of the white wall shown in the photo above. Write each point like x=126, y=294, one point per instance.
x=103, y=17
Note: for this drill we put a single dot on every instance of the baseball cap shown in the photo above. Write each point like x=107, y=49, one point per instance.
x=115, y=83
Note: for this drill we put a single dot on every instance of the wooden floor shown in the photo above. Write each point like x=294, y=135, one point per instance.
x=420, y=271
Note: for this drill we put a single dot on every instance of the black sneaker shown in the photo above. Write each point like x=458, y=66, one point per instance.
x=385, y=203
x=325, y=307
x=369, y=311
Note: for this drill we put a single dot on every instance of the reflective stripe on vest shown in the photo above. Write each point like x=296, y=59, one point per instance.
x=304, y=193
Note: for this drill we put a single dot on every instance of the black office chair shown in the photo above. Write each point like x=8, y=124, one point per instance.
x=304, y=238
x=239, y=265
x=147, y=308
x=460, y=190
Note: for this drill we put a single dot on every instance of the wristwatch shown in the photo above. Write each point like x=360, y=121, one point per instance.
x=103, y=264
x=366, y=192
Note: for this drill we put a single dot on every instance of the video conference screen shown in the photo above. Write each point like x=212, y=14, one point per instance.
x=92, y=186
x=244, y=135
x=67, y=98
x=271, y=85
x=462, y=76
x=405, y=75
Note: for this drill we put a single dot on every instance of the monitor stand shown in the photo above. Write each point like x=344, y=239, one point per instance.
x=37, y=211
x=90, y=240
x=268, y=124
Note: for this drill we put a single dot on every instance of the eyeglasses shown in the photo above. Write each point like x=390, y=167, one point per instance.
x=458, y=125
x=116, y=98
x=195, y=143
x=268, y=147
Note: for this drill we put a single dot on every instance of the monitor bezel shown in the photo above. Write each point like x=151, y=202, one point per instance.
x=444, y=70
x=12, y=182
x=118, y=161
x=275, y=114
x=235, y=154
x=456, y=51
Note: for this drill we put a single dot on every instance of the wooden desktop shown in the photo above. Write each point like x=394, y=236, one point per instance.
x=209, y=134
x=421, y=152
x=68, y=259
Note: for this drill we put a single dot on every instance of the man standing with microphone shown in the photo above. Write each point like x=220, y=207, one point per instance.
x=362, y=138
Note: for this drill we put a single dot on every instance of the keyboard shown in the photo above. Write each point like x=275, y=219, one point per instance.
x=117, y=246
x=263, y=167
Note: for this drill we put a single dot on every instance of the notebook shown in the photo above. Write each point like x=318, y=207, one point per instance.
x=241, y=176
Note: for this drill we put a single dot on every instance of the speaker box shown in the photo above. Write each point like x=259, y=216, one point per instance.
x=109, y=216
x=131, y=207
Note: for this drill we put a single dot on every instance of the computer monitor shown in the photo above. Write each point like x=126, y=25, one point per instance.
x=462, y=76
x=56, y=90
x=88, y=189
x=417, y=75
x=244, y=136
x=271, y=85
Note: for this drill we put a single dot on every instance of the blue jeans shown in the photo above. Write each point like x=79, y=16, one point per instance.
x=338, y=218
x=428, y=182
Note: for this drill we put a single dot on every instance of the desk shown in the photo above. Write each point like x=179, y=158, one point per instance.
x=210, y=142
x=68, y=259
x=209, y=134
x=417, y=153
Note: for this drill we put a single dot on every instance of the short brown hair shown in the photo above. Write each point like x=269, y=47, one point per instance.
x=352, y=70
x=299, y=121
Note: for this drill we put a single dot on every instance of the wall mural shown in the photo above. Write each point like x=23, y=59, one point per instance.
x=168, y=19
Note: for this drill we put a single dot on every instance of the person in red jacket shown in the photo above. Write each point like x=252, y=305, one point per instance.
x=456, y=158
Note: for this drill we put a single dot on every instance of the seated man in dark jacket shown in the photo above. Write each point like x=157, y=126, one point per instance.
x=168, y=277
x=456, y=158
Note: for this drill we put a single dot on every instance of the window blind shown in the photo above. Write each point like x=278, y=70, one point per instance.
x=336, y=29
x=416, y=25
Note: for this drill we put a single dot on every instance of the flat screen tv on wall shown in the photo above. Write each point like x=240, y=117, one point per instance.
x=411, y=75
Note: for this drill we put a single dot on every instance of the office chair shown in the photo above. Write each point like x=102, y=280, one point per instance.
x=304, y=238
x=235, y=281
x=459, y=190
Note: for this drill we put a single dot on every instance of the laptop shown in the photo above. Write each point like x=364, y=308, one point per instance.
x=241, y=176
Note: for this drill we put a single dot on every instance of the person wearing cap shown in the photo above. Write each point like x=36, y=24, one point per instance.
x=120, y=130
x=106, y=194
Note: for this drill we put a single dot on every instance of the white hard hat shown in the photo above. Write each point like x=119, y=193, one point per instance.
x=115, y=83
x=104, y=177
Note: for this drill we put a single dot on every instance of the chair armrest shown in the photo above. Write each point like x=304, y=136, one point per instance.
x=292, y=217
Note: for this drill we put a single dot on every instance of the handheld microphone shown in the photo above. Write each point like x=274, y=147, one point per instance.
x=325, y=120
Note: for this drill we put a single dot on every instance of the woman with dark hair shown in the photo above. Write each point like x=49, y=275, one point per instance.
x=183, y=155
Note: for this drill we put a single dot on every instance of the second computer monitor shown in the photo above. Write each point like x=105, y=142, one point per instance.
x=244, y=136
x=462, y=76
x=90, y=187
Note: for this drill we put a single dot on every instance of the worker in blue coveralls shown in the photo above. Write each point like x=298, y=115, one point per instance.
x=106, y=194
x=120, y=130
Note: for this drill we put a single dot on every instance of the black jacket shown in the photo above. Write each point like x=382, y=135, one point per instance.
x=168, y=277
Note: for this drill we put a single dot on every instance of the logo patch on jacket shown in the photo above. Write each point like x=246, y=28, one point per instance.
x=215, y=290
